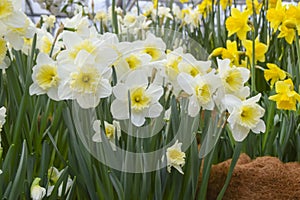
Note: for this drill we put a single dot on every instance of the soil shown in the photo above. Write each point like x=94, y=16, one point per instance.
x=263, y=178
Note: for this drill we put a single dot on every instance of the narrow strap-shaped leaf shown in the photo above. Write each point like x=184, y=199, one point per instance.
x=234, y=160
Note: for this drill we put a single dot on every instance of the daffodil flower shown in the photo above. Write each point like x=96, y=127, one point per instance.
x=244, y=116
x=2, y=119
x=53, y=176
x=233, y=78
x=45, y=77
x=175, y=157
x=238, y=23
x=286, y=98
x=112, y=131
x=201, y=90
x=276, y=15
x=260, y=50
x=36, y=191
x=143, y=98
x=230, y=52
x=274, y=73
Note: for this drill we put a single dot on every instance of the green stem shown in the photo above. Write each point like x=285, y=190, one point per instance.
x=114, y=17
x=234, y=160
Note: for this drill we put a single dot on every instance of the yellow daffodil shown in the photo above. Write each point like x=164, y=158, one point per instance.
x=286, y=98
x=205, y=7
x=272, y=3
x=184, y=1
x=260, y=50
x=287, y=30
x=293, y=13
x=231, y=52
x=274, y=73
x=238, y=23
x=225, y=3
x=276, y=15
x=255, y=3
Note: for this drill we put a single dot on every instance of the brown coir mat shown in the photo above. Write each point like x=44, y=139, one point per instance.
x=263, y=178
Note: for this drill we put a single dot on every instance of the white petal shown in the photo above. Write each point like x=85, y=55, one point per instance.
x=119, y=109
x=88, y=100
x=193, y=107
x=260, y=127
x=239, y=133
x=155, y=92
x=138, y=119
x=121, y=92
x=35, y=89
x=231, y=102
x=52, y=93
x=154, y=110
x=105, y=89
x=96, y=126
x=137, y=78
x=97, y=137
x=184, y=80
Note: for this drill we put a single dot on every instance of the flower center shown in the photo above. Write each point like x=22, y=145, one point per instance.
x=203, y=93
x=84, y=45
x=85, y=81
x=109, y=131
x=233, y=80
x=139, y=100
x=6, y=8
x=47, y=77
x=133, y=61
x=176, y=156
x=248, y=116
x=153, y=52
x=46, y=45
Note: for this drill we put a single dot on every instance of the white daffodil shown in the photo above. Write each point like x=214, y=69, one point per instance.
x=45, y=77
x=15, y=34
x=192, y=18
x=85, y=80
x=45, y=42
x=48, y=21
x=233, y=78
x=244, y=116
x=80, y=25
x=1, y=172
x=4, y=60
x=163, y=12
x=36, y=191
x=153, y=46
x=111, y=131
x=2, y=122
x=143, y=99
x=194, y=67
x=53, y=176
x=201, y=90
x=2, y=118
x=171, y=69
x=98, y=50
x=175, y=157
x=130, y=59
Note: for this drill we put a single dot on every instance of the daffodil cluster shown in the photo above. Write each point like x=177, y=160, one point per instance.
x=285, y=19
